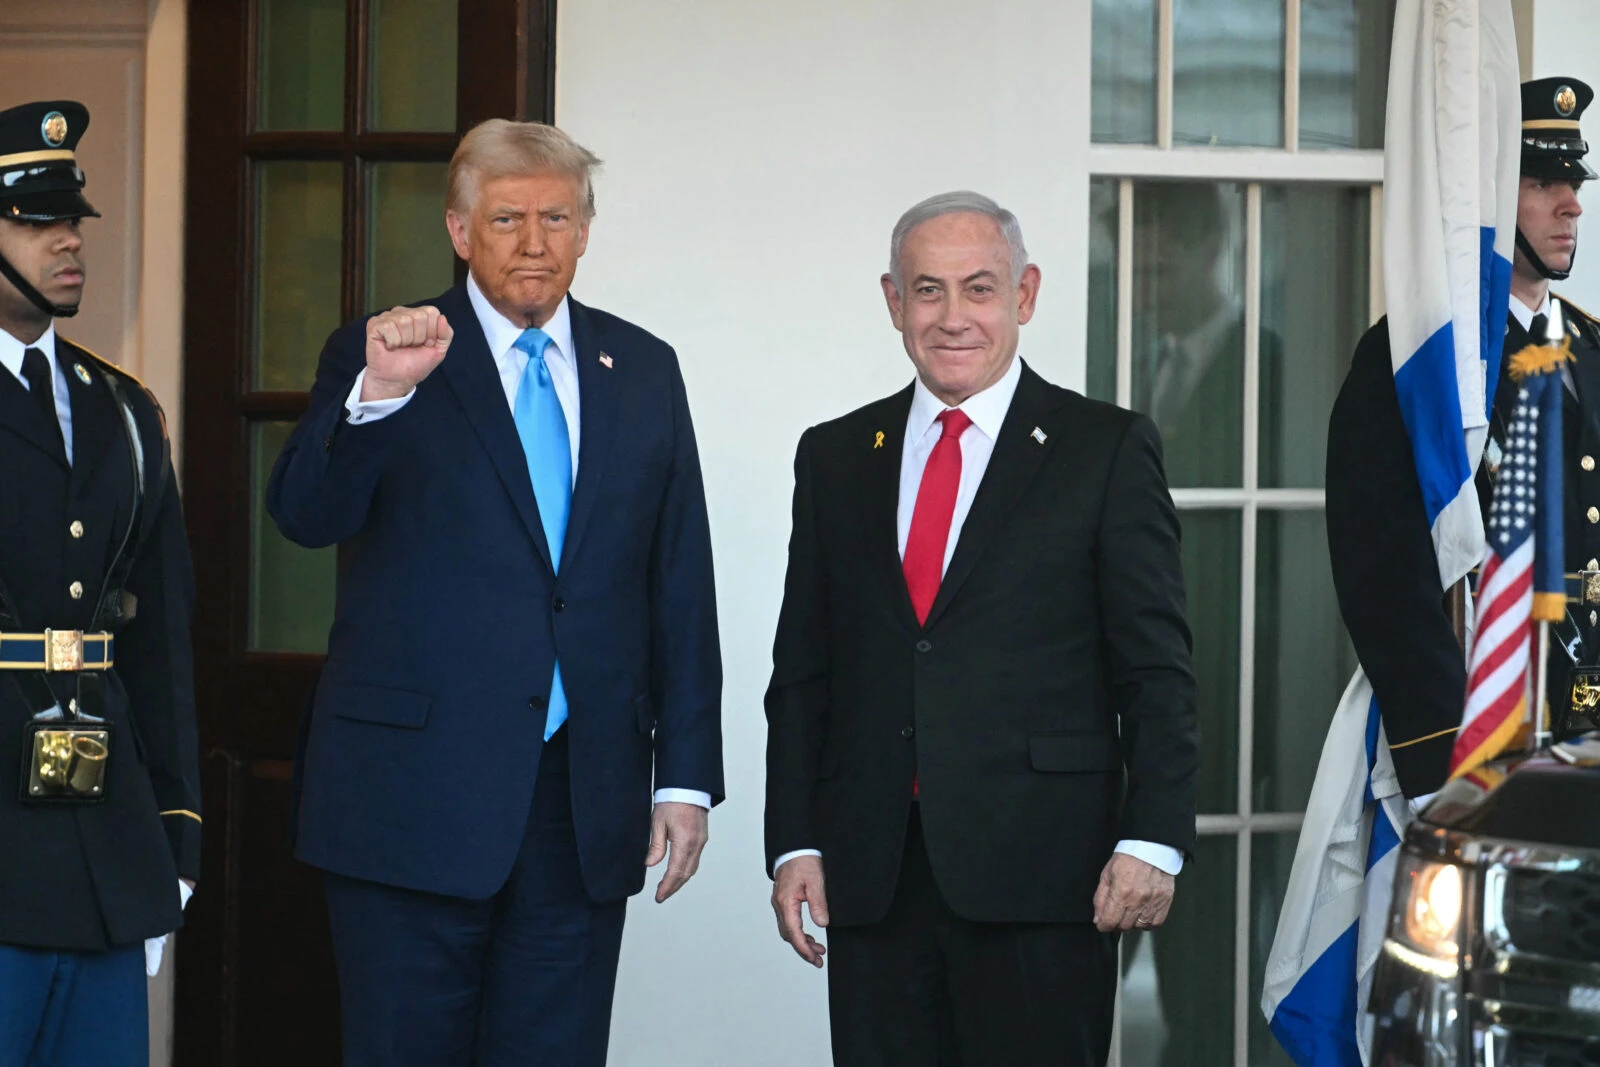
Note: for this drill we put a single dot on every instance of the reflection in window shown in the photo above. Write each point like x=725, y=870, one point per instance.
x=1211, y=554
x=412, y=64
x=1303, y=658
x=1314, y=308
x=1101, y=347
x=1124, y=72
x=1177, y=1010
x=1271, y=857
x=1344, y=72
x=1188, y=325
x=1227, y=72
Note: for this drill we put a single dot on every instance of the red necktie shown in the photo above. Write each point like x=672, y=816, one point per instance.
x=930, y=521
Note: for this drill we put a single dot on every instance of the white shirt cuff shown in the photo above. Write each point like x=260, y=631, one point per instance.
x=1161, y=857
x=787, y=856
x=371, y=410
x=684, y=796
x=1418, y=803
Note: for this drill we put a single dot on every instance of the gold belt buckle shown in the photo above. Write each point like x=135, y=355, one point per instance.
x=63, y=650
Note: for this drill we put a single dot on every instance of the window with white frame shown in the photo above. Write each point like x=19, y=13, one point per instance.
x=1234, y=206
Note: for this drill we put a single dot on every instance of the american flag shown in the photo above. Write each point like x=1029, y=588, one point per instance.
x=1522, y=580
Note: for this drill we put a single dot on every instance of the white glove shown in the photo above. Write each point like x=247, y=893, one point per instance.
x=154, y=946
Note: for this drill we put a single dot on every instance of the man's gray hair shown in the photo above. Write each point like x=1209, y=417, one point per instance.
x=958, y=203
x=499, y=148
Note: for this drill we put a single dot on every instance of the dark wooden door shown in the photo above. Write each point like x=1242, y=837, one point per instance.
x=318, y=137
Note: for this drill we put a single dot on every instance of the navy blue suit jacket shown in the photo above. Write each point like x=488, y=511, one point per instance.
x=421, y=747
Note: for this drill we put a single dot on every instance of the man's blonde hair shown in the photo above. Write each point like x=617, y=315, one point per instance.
x=499, y=148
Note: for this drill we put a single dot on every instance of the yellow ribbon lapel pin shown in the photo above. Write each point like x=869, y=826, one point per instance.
x=878, y=442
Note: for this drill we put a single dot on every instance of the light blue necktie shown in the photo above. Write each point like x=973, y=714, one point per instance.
x=542, y=425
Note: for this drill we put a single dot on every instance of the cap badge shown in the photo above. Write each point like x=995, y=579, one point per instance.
x=1566, y=101
x=54, y=129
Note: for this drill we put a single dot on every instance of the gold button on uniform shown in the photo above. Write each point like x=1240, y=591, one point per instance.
x=1587, y=463
x=76, y=529
x=75, y=590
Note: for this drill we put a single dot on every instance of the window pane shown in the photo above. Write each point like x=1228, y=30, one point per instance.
x=1227, y=72
x=1271, y=857
x=412, y=50
x=1177, y=983
x=1124, y=71
x=1188, y=325
x=1314, y=308
x=291, y=588
x=409, y=257
x=1344, y=72
x=298, y=240
x=1303, y=658
x=1100, y=352
x=301, y=61
x=1211, y=549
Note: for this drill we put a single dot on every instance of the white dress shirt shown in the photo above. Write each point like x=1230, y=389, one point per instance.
x=562, y=359
x=987, y=410
x=12, y=352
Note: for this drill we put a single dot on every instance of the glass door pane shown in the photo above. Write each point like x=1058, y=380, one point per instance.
x=300, y=65
x=291, y=588
x=409, y=257
x=411, y=49
x=299, y=234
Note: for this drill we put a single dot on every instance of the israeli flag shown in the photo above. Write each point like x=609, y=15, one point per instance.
x=1451, y=162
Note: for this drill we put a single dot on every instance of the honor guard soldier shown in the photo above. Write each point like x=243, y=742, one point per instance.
x=1404, y=626
x=99, y=782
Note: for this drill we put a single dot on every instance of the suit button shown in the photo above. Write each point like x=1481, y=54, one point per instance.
x=537, y=703
x=75, y=590
x=327, y=443
x=924, y=645
x=907, y=731
x=76, y=529
x=559, y=605
x=1587, y=463
x=1594, y=515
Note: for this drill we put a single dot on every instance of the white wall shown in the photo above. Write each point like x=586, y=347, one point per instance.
x=1564, y=44
x=757, y=156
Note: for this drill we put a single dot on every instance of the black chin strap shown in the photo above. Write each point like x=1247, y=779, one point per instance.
x=1539, y=265
x=36, y=298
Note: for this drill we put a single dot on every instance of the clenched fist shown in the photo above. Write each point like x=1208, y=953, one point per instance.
x=404, y=345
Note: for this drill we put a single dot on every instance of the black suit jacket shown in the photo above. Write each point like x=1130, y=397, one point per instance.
x=85, y=877
x=1047, y=707
x=1384, y=567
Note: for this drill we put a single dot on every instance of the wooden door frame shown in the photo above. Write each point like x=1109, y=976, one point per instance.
x=242, y=695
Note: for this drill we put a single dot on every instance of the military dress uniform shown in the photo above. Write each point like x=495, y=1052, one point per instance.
x=1385, y=570
x=99, y=784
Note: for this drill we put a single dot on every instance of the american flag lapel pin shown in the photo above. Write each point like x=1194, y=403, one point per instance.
x=605, y=361
x=1038, y=435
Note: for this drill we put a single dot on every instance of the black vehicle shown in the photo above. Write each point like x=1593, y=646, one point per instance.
x=1492, y=956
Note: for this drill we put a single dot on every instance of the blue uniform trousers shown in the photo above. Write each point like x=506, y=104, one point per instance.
x=523, y=978
x=73, y=1009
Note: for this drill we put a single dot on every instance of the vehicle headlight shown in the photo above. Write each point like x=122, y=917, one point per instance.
x=1425, y=922
x=1433, y=913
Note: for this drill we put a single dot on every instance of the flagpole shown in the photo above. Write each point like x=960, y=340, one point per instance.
x=1541, y=706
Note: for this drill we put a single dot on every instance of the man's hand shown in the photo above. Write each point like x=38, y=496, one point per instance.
x=686, y=828
x=1132, y=896
x=800, y=879
x=404, y=345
